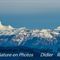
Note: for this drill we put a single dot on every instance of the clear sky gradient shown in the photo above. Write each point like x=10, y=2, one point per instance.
x=30, y=13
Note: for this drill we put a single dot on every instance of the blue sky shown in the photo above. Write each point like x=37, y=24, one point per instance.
x=30, y=13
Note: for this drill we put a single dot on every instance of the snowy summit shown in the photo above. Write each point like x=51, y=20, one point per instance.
x=3, y=27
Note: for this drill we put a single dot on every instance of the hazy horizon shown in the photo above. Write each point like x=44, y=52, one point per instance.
x=30, y=13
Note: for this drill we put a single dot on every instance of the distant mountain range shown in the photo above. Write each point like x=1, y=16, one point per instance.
x=33, y=38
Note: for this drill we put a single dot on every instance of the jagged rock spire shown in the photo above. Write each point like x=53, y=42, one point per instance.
x=0, y=23
x=3, y=27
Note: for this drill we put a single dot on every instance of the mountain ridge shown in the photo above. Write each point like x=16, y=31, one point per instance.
x=35, y=38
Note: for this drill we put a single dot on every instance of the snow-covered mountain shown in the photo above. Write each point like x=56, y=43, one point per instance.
x=10, y=36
